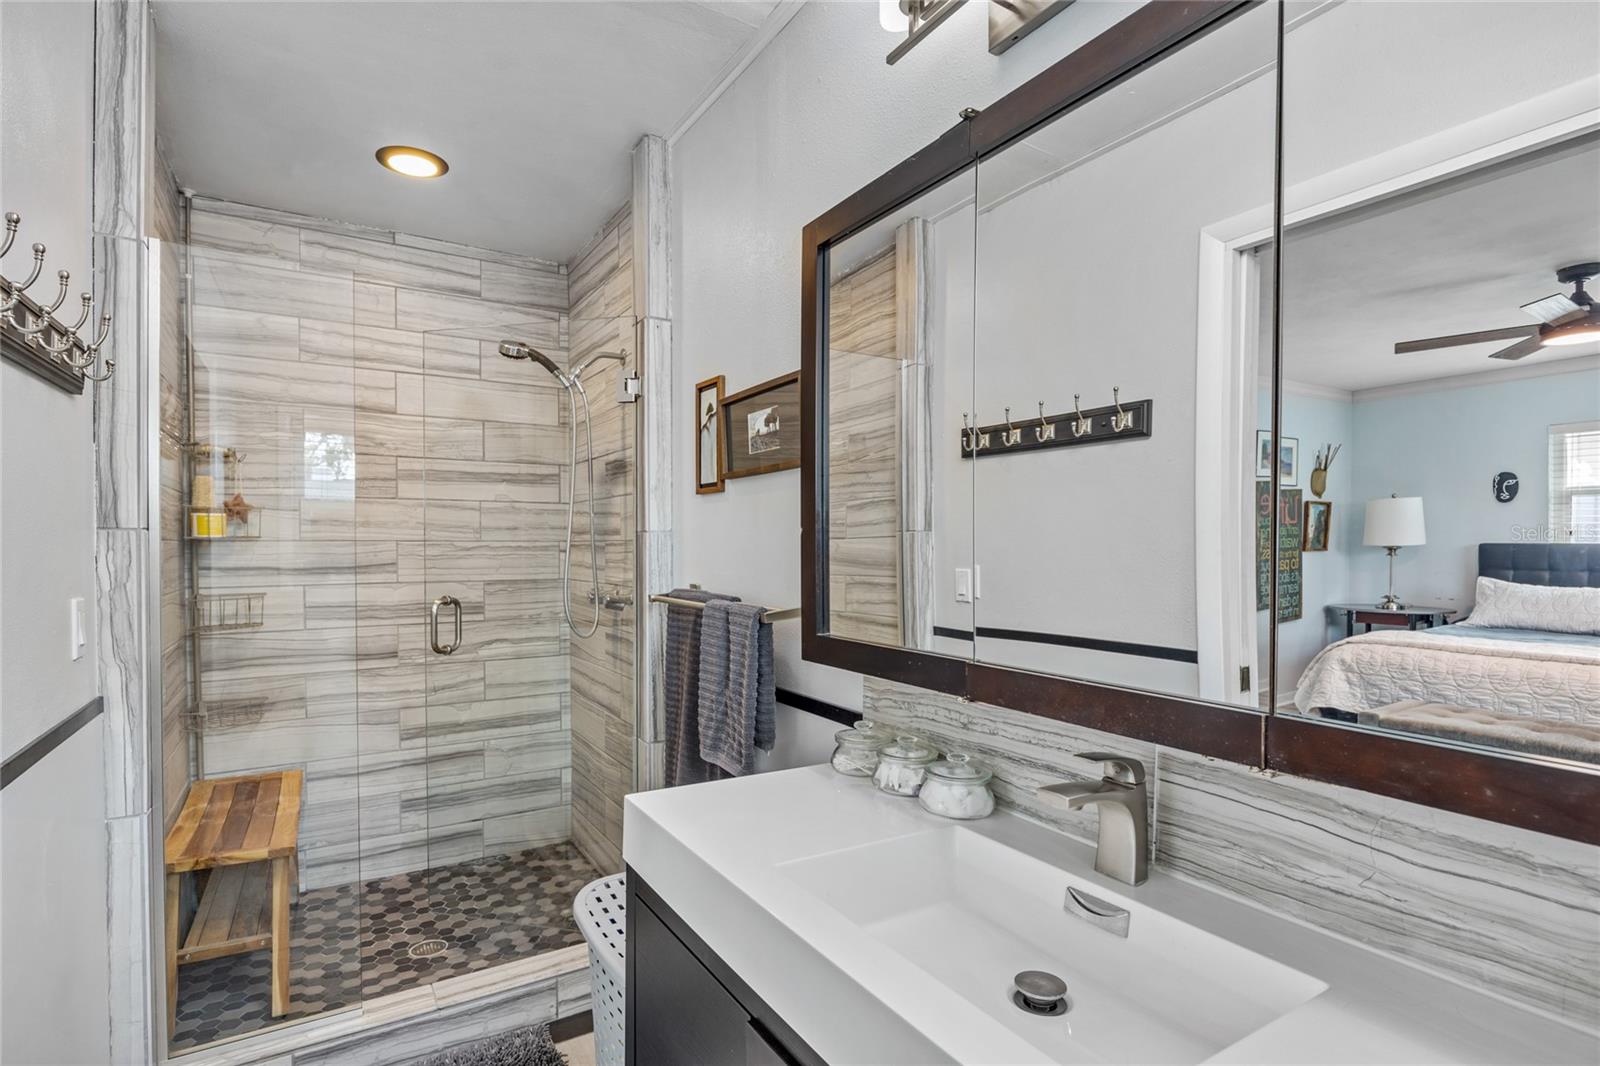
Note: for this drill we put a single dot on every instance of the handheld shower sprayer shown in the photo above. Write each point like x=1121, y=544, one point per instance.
x=575, y=394
x=519, y=350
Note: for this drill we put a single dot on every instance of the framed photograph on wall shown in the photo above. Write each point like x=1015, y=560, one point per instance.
x=1318, y=524
x=761, y=428
x=1263, y=453
x=708, y=451
x=1289, y=462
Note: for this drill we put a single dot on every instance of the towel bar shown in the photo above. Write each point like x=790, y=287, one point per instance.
x=766, y=616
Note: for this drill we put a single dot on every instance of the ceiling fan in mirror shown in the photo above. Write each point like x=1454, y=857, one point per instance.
x=1562, y=320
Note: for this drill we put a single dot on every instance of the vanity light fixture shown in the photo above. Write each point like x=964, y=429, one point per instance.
x=412, y=162
x=917, y=19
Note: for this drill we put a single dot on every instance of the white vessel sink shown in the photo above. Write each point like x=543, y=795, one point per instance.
x=972, y=912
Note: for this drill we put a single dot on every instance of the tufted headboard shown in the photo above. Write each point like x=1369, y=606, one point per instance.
x=1541, y=564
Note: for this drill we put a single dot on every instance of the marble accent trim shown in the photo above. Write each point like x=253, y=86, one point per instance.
x=654, y=565
x=916, y=426
x=120, y=77
x=122, y=615
x=130, y=915
x=127, y=554
x=1504, y=910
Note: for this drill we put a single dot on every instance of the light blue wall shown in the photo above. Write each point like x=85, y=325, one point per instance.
x=1446, y=445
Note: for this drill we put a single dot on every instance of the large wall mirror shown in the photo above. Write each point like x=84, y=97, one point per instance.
x=1081, y=441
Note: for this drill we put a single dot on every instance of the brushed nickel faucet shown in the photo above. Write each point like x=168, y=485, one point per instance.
x=1122, y=849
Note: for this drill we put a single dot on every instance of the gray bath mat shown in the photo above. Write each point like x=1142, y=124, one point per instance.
x=528, y=1046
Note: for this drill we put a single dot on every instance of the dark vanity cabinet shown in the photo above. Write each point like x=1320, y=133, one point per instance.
x=686, y=1007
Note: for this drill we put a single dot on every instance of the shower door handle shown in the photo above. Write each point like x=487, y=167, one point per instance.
x=445, y=601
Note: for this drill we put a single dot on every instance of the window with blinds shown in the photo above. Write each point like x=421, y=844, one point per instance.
x=1575, y=482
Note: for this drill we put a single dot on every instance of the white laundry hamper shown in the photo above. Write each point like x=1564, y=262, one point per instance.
x=601, y=911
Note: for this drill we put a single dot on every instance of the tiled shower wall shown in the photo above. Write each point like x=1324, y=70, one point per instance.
x=864, y=520
x=1502, y=910
x=603, y=694
x=393, y=456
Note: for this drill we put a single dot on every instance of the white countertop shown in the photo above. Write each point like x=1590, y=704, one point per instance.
x=713, y=853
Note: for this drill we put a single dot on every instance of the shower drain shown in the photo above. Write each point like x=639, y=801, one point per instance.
x=423, y=949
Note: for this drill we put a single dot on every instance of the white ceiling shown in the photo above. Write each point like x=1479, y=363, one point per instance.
x=1455, y=259
x=535, y=106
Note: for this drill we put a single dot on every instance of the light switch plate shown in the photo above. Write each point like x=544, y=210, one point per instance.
x=75, y=627
x=963, y=585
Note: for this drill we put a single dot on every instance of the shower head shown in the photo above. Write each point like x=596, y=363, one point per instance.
x=519, y=350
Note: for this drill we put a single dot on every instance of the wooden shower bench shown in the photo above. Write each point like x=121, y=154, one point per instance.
x=239, y=834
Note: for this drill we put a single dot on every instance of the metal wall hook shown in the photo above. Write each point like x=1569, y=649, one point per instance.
x=65, y=277
x=111, y=367
x=105, y=331
x=1080, y=425
x=33, y=275
x=92, y=351
x=88, y=305
x=70, y=337
x=43, y=321
x=1012, y=435
x=1046, y=429
x=1122, y=419
x=966, y=432
x=13, y=220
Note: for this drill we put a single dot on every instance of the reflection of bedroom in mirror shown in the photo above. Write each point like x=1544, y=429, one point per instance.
x=1438, y=329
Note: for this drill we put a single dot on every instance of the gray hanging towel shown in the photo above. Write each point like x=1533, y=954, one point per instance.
x=738, y=704
x=681, y=680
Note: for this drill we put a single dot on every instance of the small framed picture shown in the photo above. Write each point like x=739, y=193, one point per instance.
x=1289, y=462
x=1263, y=453
x=708, y=457
x=761, y=428
x=1317, y=526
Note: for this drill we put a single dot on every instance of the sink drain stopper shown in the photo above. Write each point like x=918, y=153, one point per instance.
x=1038, y=992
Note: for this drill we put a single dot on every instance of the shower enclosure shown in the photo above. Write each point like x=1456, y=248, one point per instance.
x=365, y=511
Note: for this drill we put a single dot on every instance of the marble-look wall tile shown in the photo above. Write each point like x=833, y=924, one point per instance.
x=387, y=263
x=254, y=285
x=1508, y=911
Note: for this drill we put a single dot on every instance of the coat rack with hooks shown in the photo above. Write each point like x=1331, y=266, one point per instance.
x=1117, y=421
x=34, y=339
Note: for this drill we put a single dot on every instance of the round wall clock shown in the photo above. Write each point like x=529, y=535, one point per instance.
x=1505, y=486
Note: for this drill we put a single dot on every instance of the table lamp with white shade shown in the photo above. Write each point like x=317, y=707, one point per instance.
x=1394, y=522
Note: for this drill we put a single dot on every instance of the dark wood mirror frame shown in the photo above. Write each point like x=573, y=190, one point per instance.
x=1546, y=795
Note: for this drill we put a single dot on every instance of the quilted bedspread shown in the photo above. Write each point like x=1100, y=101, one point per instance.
x=1552, y=681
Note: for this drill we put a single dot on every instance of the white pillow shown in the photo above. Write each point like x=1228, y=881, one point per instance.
x=1552, y=608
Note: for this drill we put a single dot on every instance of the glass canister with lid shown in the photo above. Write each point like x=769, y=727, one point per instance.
x=855, y=751
x=903, y=764
x=957, y=787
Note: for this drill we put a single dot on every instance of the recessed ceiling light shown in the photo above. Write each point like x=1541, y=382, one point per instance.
x=412, y=162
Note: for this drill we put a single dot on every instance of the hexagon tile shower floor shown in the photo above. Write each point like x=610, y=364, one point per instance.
x=412, y=929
